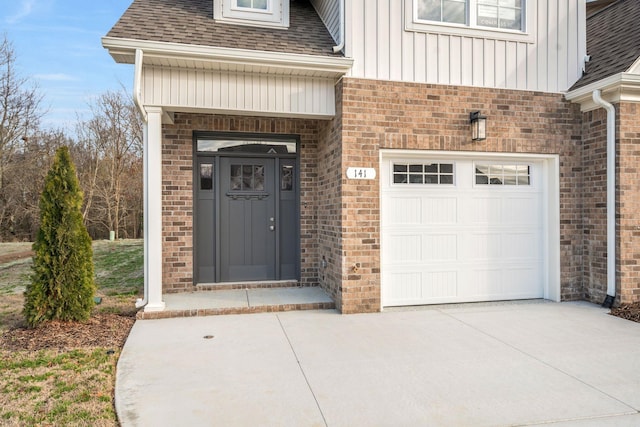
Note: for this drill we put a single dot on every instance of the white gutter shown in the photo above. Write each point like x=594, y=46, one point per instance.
x=338, y=48
x=137, y=83
x=137, y=99
x=611, y=196
x=316, y=65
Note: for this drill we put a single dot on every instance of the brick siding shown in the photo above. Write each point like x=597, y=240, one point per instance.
x=393, y=115
x=628, y=206
x=340, y=218
x=177, y=189
x=594, y=204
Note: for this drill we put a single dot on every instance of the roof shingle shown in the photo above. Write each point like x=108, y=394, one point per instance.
x=613, y=41
x=191, y=22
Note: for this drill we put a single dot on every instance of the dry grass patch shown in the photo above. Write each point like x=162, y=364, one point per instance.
x=63, y=373
x=52, y=387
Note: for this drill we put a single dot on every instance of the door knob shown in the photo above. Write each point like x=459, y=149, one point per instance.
x=272, y=227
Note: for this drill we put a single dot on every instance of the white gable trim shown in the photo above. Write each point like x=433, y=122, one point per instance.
x=220, y=58
x=635, y=67
x=619, y=87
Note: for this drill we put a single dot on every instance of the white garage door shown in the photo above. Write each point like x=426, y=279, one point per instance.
x=461, y=230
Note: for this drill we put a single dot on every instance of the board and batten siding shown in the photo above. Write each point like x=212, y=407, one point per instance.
x=233, y=92
x=329, y=12
x=551, y=61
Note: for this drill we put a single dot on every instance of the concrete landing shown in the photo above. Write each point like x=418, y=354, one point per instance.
x=241, y=301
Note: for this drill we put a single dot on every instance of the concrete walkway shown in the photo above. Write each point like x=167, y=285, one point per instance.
x=502, y=364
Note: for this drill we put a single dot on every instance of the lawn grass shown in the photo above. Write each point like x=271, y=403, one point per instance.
x=72, y=386
x=57, y=388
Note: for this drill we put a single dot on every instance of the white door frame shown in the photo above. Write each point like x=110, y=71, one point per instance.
x=550, y=208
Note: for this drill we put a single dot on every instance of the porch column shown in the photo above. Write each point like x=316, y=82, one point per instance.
x=153, y=209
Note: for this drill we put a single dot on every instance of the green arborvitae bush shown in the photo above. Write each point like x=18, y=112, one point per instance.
x=62, y=285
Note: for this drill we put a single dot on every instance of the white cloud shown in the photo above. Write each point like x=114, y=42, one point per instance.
x=59, y=77
x=25, y=9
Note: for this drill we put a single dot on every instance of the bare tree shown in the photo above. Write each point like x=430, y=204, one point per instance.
x=110, y=171
x=19, y=118
x=24, y=180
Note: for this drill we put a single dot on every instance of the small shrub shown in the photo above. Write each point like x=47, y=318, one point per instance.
x=62, y=284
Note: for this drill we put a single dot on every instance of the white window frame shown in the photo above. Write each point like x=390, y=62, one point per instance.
x=512, y=187
x=275, y=16
x=470, y=29
x=423, y=184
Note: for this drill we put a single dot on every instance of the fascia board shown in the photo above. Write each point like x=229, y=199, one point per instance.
x=619, y=87
x=251, y=58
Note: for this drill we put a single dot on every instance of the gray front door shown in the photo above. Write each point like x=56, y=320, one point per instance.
x=247, y=219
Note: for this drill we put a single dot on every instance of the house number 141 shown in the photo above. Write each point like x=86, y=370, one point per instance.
x=361, y=173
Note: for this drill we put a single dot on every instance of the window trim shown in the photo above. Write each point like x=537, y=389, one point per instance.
x=531, y=185
x=412, y=23
x=423, y=184
x=276, y=15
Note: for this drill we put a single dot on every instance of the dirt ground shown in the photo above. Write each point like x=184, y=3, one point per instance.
x=15, y=256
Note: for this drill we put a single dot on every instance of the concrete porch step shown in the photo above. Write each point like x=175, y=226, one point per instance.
x=241, y=301
x=247, y=285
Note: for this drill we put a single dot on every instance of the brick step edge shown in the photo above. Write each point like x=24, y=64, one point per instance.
x=252, y=285
x=168, y=314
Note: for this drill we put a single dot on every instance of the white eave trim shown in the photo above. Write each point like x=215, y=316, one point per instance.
x=616, y=88
x=206, y=56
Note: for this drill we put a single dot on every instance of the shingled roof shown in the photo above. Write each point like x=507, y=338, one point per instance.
x=191, y=22
x=613, y=41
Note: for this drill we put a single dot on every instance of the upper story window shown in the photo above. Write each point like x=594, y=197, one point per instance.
x=258, y=13
x=454, y=11
x=252, y=4
x=498, y=19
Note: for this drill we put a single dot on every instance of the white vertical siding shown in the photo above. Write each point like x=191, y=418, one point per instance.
x=329, y=12
x=230, y=91
x=551, y=59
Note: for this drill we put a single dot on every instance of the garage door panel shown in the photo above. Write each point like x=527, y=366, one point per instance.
x=461, y=243
x=521, y=245
x=522, y=210
x=480, y=210
x=405, y=248
x=440, y=247
x=481, y=246
x=418, y=287
x=404, y=210
x=439, y=210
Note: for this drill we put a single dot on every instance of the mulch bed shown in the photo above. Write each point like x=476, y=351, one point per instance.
x=628, y=311
x=104, y=330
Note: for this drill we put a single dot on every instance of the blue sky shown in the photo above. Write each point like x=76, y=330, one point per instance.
x=57, y=45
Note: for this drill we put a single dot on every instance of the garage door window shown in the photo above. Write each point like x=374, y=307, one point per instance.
x=423, y=173
x=502, y=174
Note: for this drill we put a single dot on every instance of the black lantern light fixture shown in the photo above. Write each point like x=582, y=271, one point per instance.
x=478, y=126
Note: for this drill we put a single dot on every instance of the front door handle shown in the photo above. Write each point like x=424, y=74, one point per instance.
x=272, y=227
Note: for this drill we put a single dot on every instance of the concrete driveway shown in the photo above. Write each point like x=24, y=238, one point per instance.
x=501, y=364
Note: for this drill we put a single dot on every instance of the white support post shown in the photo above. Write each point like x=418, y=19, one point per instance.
x=153, y=209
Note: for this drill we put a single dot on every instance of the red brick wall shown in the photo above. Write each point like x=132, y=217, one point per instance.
x=381, y=114
x=329, y=189
x=594, y=204
x=177, y=212
x=340, y=217
x=628, y=231
x=594, y=130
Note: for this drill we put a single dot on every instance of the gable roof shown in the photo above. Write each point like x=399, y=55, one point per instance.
x=613, y=41
x=191, y=22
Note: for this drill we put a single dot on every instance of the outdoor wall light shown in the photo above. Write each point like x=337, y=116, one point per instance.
x=478, y=126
